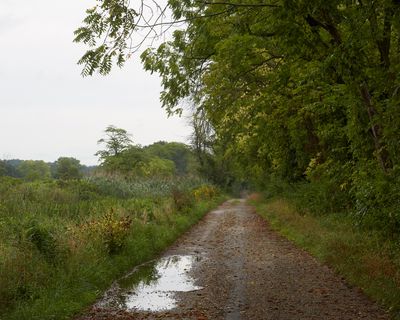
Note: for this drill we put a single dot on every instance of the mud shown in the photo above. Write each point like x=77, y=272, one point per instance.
x=233, y=266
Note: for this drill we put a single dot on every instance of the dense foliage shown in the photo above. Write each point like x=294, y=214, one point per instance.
x=299, y=91
x=67, y=168
x=121, y=157
x=33, y=170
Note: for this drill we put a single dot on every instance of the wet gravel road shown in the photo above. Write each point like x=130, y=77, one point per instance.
x=233, y=266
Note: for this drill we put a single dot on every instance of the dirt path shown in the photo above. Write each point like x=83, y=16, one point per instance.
x=243, y=270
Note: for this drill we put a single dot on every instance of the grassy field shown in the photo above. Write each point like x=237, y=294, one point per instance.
x=63, y=243
x=364, y=258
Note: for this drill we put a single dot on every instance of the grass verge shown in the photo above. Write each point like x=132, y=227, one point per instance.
x=364, y=258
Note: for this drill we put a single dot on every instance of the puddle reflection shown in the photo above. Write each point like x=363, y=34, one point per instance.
x=152, y=287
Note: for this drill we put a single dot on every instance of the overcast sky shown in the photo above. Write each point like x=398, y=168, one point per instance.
x=47, y=109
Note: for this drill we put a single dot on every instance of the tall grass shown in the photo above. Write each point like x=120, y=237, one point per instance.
x=62, y=243
x=151, y=187
x=372, y=205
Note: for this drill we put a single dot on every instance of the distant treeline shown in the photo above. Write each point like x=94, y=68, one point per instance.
x=159, y=159
x=40, y=170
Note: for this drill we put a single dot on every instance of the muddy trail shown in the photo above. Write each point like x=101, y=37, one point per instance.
x=233, y=266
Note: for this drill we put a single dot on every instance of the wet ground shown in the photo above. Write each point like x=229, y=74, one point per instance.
x=233, y=266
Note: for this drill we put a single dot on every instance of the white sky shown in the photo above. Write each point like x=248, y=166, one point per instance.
x=47, y=109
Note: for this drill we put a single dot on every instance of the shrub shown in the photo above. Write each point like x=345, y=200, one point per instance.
x=82, y=189
x=111, y=229
x=6, y=183
x=43, y=239
x=182, y=200
x=205, y=192
x=141, y=207
x=377, y=202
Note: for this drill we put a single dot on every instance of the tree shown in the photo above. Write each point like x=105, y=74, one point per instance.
x=296, y=90
x=159, y=167
x=129, y=162
x=116, y=141
x=179, y=153
x=3, y=168
x=32, y=170
x=120, y=155
x=231, y=50
x=67, y=168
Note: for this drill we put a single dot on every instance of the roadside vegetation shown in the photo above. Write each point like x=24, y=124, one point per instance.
x=366, y=257
x=63, y=241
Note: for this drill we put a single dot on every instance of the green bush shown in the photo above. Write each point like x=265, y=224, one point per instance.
x=183, y=200
x=137, y=207
x=43, y=239
x=377, y=202
x=112, y=230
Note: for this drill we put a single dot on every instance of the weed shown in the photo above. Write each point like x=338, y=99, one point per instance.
x=205, y=192
x=43, y=240
x=111, y=229
x=182, y=200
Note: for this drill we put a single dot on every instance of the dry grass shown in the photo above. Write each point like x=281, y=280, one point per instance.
x=256, y=196
x=380, y=265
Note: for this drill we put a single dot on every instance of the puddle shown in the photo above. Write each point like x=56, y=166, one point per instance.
x=219, y=211
x=152, y=286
